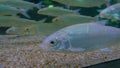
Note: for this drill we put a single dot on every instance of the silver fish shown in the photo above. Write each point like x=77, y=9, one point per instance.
x=20, y=4
x=112, y=12
x=73, y=18
x=35, y=29
x=7, y=21
x=8, y=10
x=83, y=3
x=55, y=11
x=82, y=37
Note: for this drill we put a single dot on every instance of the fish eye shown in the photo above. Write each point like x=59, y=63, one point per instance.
x=52, y=42
x=56, y=19
x=27, y=29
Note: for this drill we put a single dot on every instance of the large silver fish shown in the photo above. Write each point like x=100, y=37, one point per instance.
x=112, y=12
x=82, y=37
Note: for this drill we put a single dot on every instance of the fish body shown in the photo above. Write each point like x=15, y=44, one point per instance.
x=19, y=4
x=112, y=12
x=82, y=37
x=55, y=11
x=73, y=18
x=83, y=3
x=8, y=10
x=35, y=29
x=7, y=21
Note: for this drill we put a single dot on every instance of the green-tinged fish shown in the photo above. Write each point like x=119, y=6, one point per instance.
x=112, y=12
x=83, y=3
x=36, y=29
x=83, y=37
x=8, y=10
x=19, y=4
x=55, y=11
x=73, y=19
x=7, y=21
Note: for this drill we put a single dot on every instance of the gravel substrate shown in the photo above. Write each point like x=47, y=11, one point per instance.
x=31, y=56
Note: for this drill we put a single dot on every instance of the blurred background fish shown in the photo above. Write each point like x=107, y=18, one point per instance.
x=20, y=4
x=73, y=18
x=6, y=21
x=55, y=11
x=36, y=29
x=111, y=12
x=8, y=10
x=83, y=3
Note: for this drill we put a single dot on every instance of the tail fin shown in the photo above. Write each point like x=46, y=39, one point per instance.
x=43, y=20
x=40, y=5
x=77, y=10
x=24, y=12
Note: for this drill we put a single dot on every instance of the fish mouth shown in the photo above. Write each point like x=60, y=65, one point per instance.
x=45, y=46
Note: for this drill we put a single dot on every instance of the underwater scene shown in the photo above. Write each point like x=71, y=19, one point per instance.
x=59, y=33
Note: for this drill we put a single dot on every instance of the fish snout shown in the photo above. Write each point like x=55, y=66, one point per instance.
x=44, y=46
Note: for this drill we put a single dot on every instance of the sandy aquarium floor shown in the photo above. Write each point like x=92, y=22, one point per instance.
x=24, y=52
